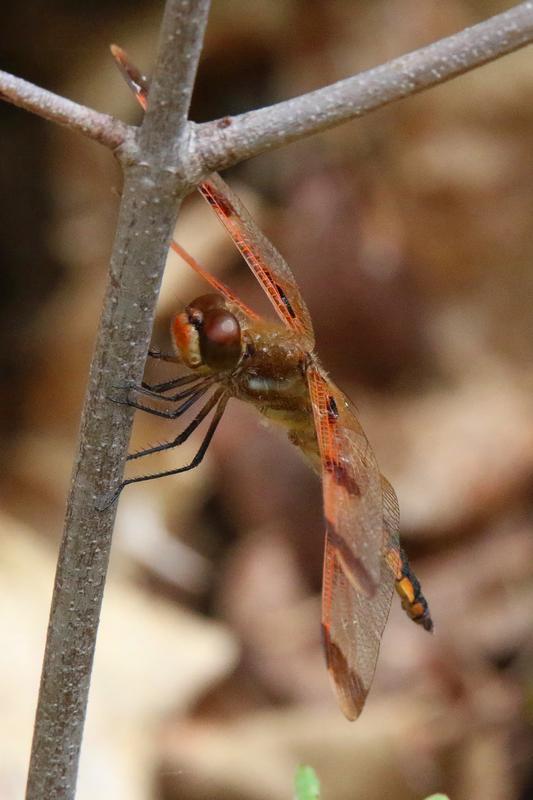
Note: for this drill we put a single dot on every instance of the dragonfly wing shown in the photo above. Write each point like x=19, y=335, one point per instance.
x=351, y=483
x=137, y=82
x=217, y=285
x=362, y=544
x=352, y=622
x=267, y=264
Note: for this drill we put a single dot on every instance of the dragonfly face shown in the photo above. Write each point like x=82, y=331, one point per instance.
x=208, y=334
x=274, y=367
x=258, y=362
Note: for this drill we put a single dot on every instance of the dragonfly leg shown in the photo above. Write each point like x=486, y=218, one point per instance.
x=157, y=390
x=194, y=463
x=184, y=435
x=172, y=357
x=191, y=399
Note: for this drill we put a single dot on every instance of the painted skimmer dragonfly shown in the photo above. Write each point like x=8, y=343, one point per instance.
x=234, y=353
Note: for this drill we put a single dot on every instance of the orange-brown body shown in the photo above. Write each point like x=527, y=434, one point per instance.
x=271, y=374
x=275, y=368
x=272, y=377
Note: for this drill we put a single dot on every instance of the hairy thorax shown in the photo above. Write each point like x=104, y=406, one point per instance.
x=272, y=377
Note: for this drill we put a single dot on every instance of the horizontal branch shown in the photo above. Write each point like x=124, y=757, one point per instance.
x=101, y=127
x=224, y=142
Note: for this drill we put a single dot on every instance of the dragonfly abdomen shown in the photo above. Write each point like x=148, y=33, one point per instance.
x=413, y=601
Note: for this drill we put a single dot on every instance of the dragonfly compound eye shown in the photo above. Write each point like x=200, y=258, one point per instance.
x=206, y=333
x=220, y=339
x=206, y=303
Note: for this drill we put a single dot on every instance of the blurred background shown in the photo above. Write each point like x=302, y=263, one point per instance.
x=409, y=232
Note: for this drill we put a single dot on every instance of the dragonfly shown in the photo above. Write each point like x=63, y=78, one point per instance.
x=232, y=352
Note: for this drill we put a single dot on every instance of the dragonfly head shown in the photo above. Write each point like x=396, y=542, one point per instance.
x=207, y=334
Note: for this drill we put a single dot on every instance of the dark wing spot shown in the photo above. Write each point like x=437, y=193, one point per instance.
x=333, y=411
x=352, y=692
x=216, y=199
x=351, y=562
x=285, y=300
x=341, y=476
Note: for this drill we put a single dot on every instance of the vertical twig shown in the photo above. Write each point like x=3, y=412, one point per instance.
x=152, y=193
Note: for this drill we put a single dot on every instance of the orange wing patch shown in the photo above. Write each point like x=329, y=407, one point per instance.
x=351, y=482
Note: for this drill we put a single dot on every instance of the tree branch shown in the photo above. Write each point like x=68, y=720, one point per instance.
x=150, y=201
x=225, y=142
x=101, y=127
x=170, y=97
x=162, y=160
x=219, y=144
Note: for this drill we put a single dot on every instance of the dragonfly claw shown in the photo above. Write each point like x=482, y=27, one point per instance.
x=125, y=391
x=109, y=499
